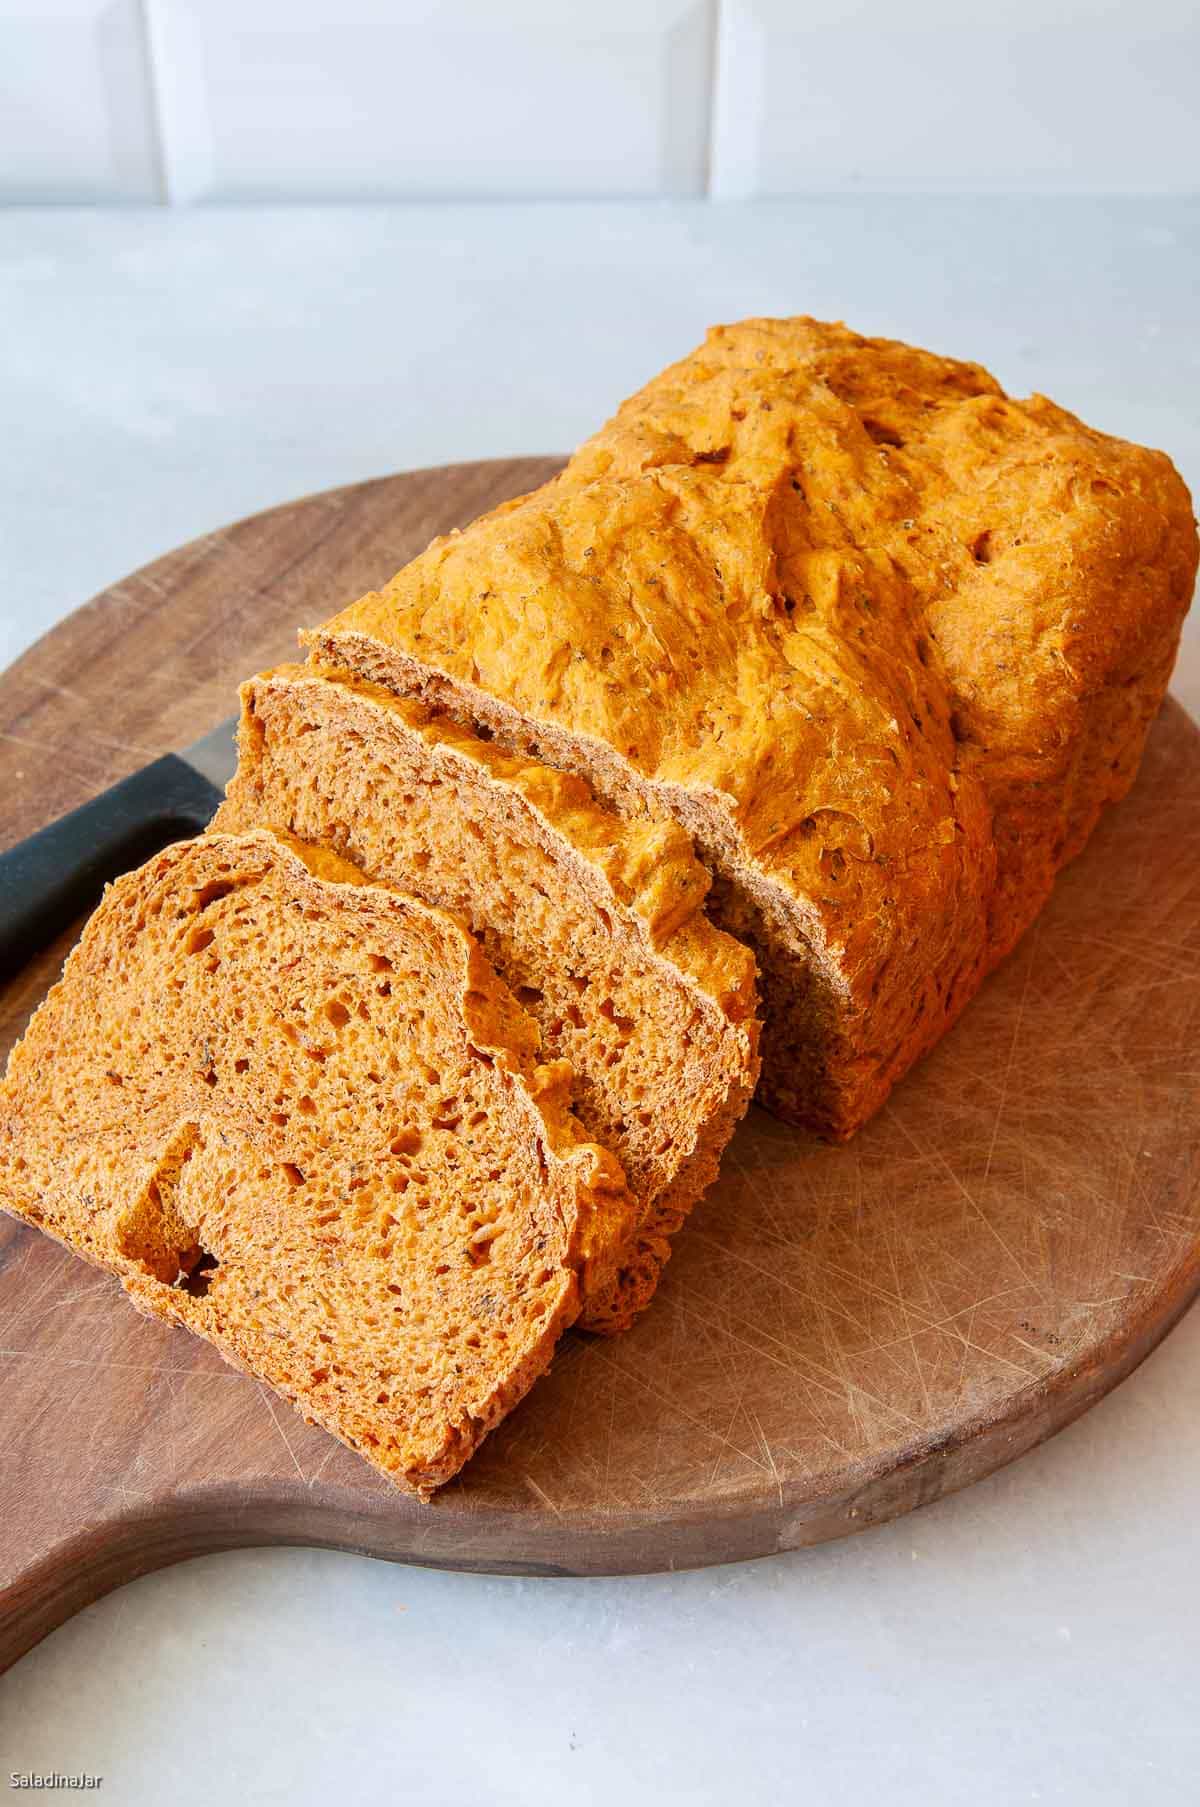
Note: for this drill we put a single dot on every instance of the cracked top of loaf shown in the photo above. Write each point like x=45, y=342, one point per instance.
x=841, y=593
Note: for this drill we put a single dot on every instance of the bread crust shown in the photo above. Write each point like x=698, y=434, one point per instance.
x=883, y=639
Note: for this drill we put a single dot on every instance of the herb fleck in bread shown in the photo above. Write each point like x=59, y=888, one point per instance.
x=882, y=638
x=597, y=924
x=300, y=1115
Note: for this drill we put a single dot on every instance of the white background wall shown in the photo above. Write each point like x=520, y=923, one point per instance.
x=237, y=100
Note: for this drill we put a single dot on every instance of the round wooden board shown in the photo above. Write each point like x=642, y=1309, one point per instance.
x=843, y=1334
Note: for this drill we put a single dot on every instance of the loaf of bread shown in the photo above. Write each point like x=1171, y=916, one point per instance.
x=881, y=638
x=301, y=1116
x=596, y=924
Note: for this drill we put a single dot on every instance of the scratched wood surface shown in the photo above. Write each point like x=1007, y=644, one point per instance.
x=843, y=1333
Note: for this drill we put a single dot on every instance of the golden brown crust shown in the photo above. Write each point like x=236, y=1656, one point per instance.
x=299, y=1114
x=884, y=640
x=596, y=922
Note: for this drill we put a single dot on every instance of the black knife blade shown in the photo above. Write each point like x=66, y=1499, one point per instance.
x=59, y=872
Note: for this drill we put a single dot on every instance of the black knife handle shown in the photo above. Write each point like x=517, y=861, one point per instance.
x=59, y=872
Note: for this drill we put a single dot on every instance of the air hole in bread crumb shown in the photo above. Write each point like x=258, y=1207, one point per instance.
x=241, y=1066
x=405, y=1141
x=198, y=940
x=292, y=1173
x=379, y=963
x=981, y=548
x=211, y=894
x=529, y=994
x=196, y=1282
x=337, y=1013
x=608, y=1010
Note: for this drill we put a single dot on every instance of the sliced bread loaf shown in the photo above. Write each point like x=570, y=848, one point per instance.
x=300, y=1115
x=596, y=923
x=884, y=639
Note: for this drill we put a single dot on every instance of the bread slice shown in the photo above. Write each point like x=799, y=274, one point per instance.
x=301, y=1116
x=597, y=924
x=882, y=638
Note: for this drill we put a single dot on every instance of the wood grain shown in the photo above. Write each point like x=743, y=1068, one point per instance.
x=843, y=1333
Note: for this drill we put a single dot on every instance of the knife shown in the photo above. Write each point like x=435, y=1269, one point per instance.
x=59, y=872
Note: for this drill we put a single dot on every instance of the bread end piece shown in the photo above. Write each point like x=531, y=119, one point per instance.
x=883, y=638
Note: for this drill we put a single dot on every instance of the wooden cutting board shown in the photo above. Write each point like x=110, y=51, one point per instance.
x=843, y=1334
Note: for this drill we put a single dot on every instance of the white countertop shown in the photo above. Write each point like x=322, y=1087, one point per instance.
x=1033, y=1639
